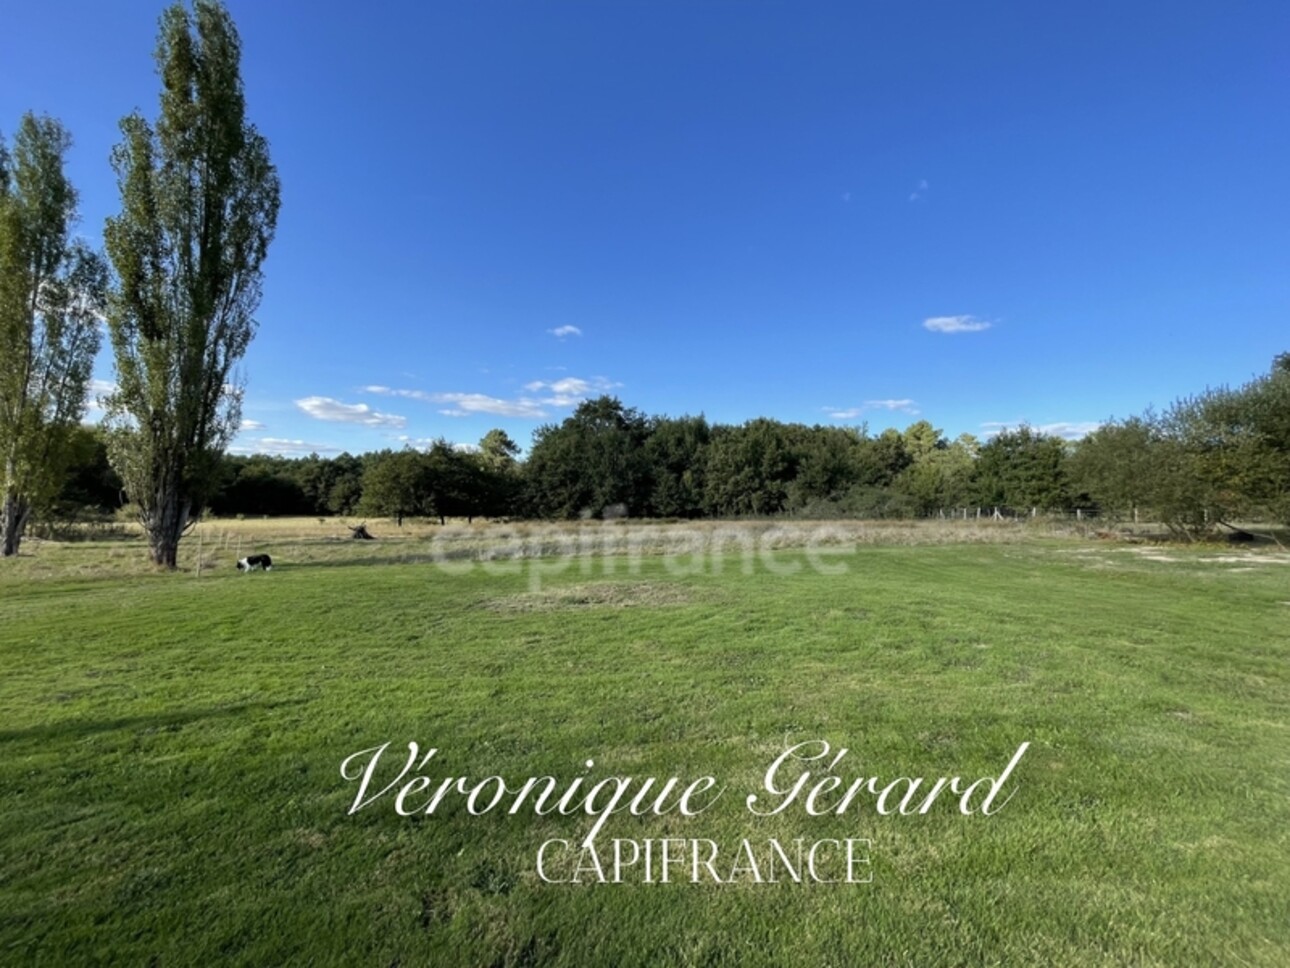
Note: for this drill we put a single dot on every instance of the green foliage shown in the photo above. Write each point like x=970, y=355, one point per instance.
x=1237, y=446
x=51, y=293
x=261, y=485
x=1211, y=458
x=592, y=463
x=882, y=458
x=498, y=450
x=395, y=484
x=91, y=484
x=1023, y=469
x=922, y=439
x=199, y=201
x=342, y=486
x=829, y=464
x=941, y=475
x=751, y=468
x=441, y=482
x=677, y=454
x=497, y=476
x=452, y=481
x=1117, y=465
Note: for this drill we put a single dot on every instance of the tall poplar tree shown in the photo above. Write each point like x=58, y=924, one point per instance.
x=199, y=204
x=51, y=294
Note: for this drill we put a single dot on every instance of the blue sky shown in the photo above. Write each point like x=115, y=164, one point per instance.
x=976, y=214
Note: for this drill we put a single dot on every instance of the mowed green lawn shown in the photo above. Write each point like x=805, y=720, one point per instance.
x=170, y=749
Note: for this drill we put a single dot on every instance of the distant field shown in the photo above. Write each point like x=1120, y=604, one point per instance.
x=219, y=543
x=170, y=746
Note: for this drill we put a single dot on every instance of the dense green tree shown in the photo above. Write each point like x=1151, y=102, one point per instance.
x=940, y=476
x=313, y=475
x=1237, y=447
x=90, y=484
x=676, y=451
x=396, y=484
x=922, y=439
x=828, y=466
x=262, y=485
x=51, y=293
x=498, y=450
x=454, y=482
x=1182, y=490
x=1265, y=416
x=593, y=463
x=199, y=201
x=1116, y=464
x=498, y=475
x=1023, y=469
x=882, y=458
x=345, y=487
x=750, y=468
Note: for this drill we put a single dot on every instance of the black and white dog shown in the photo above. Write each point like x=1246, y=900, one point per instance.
x=252, y=562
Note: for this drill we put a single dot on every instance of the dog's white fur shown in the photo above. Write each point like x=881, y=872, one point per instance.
x=253, y=562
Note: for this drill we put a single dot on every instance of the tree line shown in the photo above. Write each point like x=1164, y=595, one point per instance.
x=180, y=281
x=1205, y=462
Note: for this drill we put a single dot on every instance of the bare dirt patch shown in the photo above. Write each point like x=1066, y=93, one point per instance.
x=1251, y=559
x=1189, y=557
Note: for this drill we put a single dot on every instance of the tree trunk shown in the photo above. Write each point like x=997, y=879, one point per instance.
x=165, y=526
x=13, y=519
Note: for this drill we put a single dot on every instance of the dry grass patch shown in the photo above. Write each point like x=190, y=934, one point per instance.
x=614, y=594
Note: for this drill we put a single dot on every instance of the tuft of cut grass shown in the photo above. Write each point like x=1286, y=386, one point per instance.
x=602, y=594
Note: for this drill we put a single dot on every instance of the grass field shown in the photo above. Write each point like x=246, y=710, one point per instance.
x=170, y=750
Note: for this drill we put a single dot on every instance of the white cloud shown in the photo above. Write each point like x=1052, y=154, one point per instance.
x=465, y=404
x=561, y=332
x=408, y=394
x=956, y=324
x=425, y=443
x=565, y=387
x=98, y=389
x=565, y=392
x=570, y=390
x=251, y=425
x=904, y=406
x=920, y=192
x=851, y=413
x=283, y=447
x=1070, y=430
x=325, y=408
x=1066, y=429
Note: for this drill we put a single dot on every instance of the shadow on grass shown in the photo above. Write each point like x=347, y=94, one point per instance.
x=74, y=729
